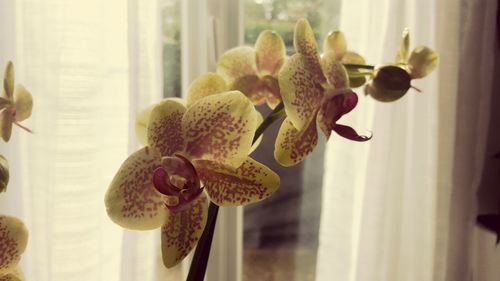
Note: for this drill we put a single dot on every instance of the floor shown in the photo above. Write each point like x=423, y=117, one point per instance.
x=281, y=264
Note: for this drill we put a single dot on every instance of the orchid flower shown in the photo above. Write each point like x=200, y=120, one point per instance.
x=205, y=85
x=254, y=71
x=13, y=241
x=195, y=153
x=391, y=82
x=4, y=173
x=15, y=104
x=316, y=93
x=335, y=42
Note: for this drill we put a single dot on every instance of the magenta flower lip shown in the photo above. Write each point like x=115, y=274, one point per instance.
x=177, y=179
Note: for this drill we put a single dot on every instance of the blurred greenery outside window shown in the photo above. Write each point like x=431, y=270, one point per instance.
x=171, y=38
x=281, y=15
x=283, y=246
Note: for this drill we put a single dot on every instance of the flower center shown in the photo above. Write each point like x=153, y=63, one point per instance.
x=177, y=179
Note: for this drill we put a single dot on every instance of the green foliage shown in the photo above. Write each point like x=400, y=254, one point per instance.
x=172, y=70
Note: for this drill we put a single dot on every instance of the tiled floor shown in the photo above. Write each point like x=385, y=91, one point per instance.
x=267, y=264
x=281, y=264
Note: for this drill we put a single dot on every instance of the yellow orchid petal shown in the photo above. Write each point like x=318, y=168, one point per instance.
x=4, y=101
x=4, y=173
x=249, y=183
x=132, y=200
x=13, y=241
x=273, y=100
x=182, y=230
x=141, y=125
x=334, y=71
x=8, y=80
x=236, y=63
x=404, y=46
x=165, y=132
x=250, y=86
x=258, y=120
x=271, y=89
x=305, y=44
x=300, y=92
x=292, y=145
x=270, y=53
x=205, y=85
x=220, y=128
x=6, y=119
x=23, y=102
x=422, y=61
x=335, y=42
x=15, y=275
x=354, y=58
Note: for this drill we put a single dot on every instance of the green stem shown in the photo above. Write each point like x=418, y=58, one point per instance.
x=200, y=259
x=276, y=114
x=363, y=66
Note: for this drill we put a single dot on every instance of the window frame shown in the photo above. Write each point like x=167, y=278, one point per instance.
x=200, y=21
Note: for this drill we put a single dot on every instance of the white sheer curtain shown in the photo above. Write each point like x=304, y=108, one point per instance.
x=90, y=65
x=402, y=206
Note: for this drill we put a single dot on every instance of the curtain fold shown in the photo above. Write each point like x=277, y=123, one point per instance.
x=91, y=66
x=403, y=206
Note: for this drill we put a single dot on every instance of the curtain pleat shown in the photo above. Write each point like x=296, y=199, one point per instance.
x=91, y=66
x=379, y=197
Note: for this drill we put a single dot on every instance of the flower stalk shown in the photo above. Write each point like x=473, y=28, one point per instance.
x=200, y=259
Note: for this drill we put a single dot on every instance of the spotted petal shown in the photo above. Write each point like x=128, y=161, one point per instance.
x=182, y=230
x=15, y=275
x=141, y=125
x=205, y=85
x=249, y=183
x=220, y=128
x=422, y=61
x=305, y=44
x=293, y=145
x=13, y=241
x=236, y=63
x=270, y=53
x=131, y=200
x=252, y=87
x=299, y=91
x=165, y=132
x=23, y=102
x=6, y=119
x=335, y=72
x=335, y=42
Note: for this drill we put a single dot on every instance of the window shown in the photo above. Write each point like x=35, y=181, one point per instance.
x=281, y=233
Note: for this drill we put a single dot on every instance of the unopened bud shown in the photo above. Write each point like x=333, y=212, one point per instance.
x=389, y=83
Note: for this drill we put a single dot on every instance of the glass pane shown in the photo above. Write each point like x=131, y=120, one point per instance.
x=171, y=29
x=281, y=234
x=171, y=39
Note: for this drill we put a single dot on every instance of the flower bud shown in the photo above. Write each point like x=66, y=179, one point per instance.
x=389, y=83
